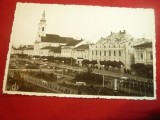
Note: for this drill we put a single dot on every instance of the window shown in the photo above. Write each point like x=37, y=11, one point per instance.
x=141, y=55
x=151, y=56
x=114, y=53
x=104, y=53
x=42, y=28
x=96, y=52
x=92, y=52
x=100, y=53
x=119, y=53
x=109, y=53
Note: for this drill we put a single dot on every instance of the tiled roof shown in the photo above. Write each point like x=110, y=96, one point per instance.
x=84, y=46
x=144, y=45
x=56, y=39
x=56, y=49
x=73, y=43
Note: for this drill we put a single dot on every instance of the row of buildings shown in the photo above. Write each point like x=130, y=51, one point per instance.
x=119, y=46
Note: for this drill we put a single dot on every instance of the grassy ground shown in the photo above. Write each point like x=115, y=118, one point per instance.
x=25, y=86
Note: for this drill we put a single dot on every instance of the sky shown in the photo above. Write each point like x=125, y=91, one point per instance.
x=78, y=21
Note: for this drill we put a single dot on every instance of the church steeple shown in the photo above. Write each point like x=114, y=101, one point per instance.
x=41, y=28
x=43, y=16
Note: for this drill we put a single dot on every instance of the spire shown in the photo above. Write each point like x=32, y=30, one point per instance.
x=43, y=15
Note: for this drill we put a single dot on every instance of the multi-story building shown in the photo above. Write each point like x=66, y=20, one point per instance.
x=115, y=47
x=23, y=49
x=56, y=52
x=143, y=53
x=28, y=50
x=81, y=53
x=67, y=50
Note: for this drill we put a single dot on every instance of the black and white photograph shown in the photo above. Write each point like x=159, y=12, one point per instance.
x=82, y=52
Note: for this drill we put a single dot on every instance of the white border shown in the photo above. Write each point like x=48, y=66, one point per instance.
x=73, y=95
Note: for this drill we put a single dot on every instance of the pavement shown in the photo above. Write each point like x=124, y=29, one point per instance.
x=106, y=73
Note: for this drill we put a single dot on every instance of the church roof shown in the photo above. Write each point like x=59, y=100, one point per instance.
x=84, y=46
x=144, y=45
x=56, y=39
x=73, y=43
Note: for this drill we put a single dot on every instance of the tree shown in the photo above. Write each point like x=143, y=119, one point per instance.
x=50, y=58
x=36, y=56
x=102, y=62
x=119, y=64
x=93, y=62
x=113, y=64
x=85, y=62
x=143, y=70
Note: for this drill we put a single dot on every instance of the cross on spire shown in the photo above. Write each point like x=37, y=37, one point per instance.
x=43, y=15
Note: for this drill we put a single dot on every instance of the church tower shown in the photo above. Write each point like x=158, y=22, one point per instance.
x=41, y=28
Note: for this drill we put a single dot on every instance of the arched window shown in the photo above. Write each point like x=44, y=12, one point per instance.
x=104, y=53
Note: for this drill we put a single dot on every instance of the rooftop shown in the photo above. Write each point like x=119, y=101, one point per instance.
x=121, y=38
x=73, y=43
x=83, y=46
x=56, y=49
x=144, y=45
x=56, y=39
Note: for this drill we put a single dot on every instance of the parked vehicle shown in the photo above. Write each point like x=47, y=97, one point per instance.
x=80, y=83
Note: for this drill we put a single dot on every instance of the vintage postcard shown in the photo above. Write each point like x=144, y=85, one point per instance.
x=82, y=51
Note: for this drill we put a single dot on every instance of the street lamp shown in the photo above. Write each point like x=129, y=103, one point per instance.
x=121, y=70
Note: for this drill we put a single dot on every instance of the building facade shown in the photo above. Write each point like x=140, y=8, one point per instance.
x=81, y=53
x=143, y=53
x=115, y=47
x=68, y=50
